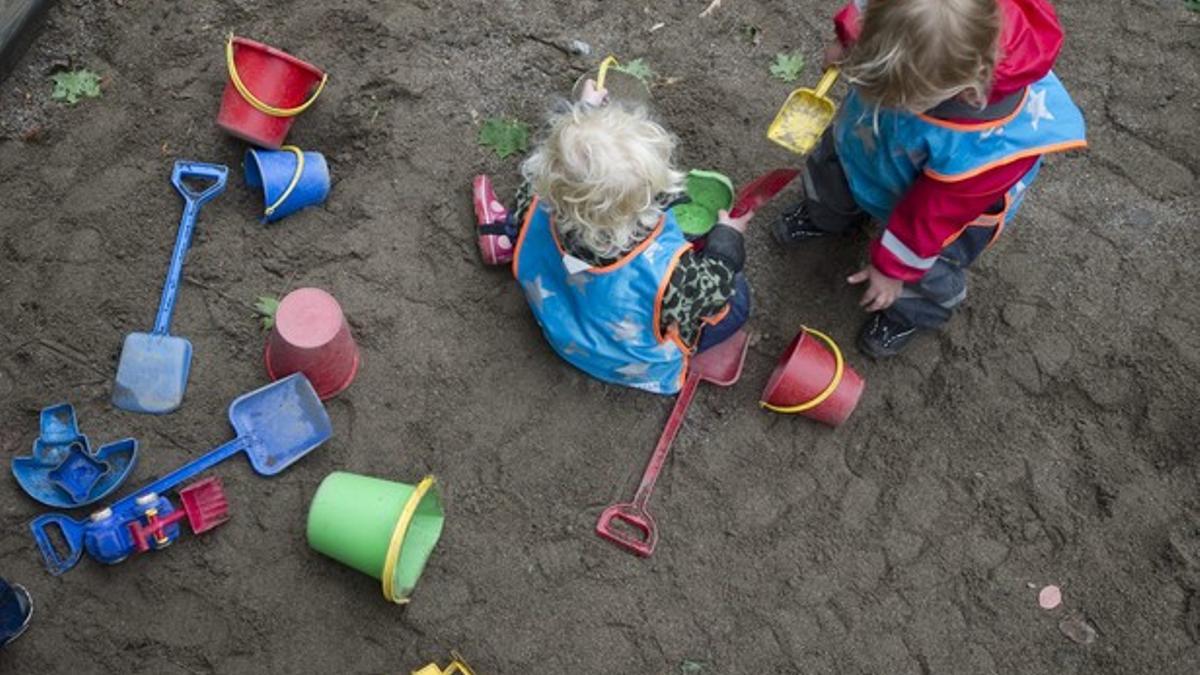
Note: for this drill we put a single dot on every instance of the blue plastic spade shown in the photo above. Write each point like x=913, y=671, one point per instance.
x=152, y=374
x=63, y=472
x=275, y=425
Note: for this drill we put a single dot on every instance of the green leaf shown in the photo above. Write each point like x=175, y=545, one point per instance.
x=1192, y=5
x=638, y=69
x=787, y=67
x=504, y=136
x=690, y=667
x=76, y=84
x=266, y=306
x=752, y=33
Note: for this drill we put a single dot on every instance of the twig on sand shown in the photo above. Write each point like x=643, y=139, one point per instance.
x=712, y=7
x=213, y=289
x=548, y=43
x=71, y=355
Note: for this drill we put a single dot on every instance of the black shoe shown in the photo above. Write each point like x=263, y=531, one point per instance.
x=795, y=227
x=882, y=337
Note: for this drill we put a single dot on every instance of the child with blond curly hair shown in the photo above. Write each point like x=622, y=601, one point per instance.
x=952, y=107
x=616, y=287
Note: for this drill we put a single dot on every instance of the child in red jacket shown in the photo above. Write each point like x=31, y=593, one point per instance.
x=952, y=106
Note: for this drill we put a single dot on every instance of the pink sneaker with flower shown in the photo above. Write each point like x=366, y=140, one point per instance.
x=491, y=218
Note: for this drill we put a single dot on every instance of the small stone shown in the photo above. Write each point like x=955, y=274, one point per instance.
x=1019, y=315
x=580, y=48
x=1052, y=353
x=1108, y=388
x=1050, y=597
x=1024, y=370
x=1077, y=628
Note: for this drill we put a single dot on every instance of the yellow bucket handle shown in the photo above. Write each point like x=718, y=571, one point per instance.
x=295, y=179
x=254, y=101
x=827, y=80
x=393, y=551
x=604, y=66
x=839, y=369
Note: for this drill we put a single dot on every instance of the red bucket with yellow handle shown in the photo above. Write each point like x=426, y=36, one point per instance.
x=813, y=379
x=267, y=89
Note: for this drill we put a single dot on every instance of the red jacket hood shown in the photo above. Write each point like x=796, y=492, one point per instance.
x=1030, y=40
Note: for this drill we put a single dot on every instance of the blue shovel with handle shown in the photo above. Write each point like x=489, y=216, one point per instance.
x=275, y=426
x=152, y=374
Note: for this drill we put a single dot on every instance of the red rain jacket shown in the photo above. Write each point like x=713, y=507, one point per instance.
x=933, y=211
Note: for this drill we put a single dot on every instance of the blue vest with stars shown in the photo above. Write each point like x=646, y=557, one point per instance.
x=883, y=153
x=605, y=320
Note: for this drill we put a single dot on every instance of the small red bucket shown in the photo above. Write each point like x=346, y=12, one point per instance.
x=311, y=336
x=267, y=89
x=813, y=381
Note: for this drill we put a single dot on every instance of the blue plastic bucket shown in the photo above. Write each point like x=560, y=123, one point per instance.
x=290, y=179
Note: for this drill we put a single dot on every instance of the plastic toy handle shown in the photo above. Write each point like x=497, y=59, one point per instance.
x=762, y=190
x=637, y=518
x=827, y=80
x=217, y=173
x=193, y=200
x=670, y=431
x=608, y=62
x=199, y=465
x=839, y=369
x=295, y=179
x=253, y=100
x=72, y=533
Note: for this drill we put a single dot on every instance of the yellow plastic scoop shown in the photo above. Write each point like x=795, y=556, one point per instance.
x=804, y=116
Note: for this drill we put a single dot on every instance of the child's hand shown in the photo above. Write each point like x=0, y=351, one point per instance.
x=882, y=290
x=592, y=95
x=738, y=223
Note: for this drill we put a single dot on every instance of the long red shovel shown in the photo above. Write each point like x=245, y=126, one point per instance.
x=721, y=365
x=761, y=190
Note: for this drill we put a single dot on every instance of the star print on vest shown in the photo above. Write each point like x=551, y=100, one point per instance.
x=603, y=320
x=883, y=152
x=1037, y=107
x=536, y=293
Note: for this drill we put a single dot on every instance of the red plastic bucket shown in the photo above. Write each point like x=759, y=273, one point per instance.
x=267, y=89
x=813, y=380
x=311, y=336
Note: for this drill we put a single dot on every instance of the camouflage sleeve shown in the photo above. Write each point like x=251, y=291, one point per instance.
x=700, y=288
x=521, y=203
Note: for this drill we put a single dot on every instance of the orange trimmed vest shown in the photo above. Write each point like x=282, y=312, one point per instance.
x=605, y=320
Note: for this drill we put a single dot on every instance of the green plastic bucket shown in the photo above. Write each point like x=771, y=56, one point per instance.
x=379, y=527
x=709, y=192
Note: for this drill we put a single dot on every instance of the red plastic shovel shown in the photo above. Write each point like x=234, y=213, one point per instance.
x=761, y=190
x=721, y=365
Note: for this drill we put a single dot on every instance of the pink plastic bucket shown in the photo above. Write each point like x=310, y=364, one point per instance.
x=311, y=336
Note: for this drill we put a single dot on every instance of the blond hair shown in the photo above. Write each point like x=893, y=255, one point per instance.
x=915, y=54
x=606, y=172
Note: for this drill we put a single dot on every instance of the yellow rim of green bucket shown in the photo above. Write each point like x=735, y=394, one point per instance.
x=393, y=552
